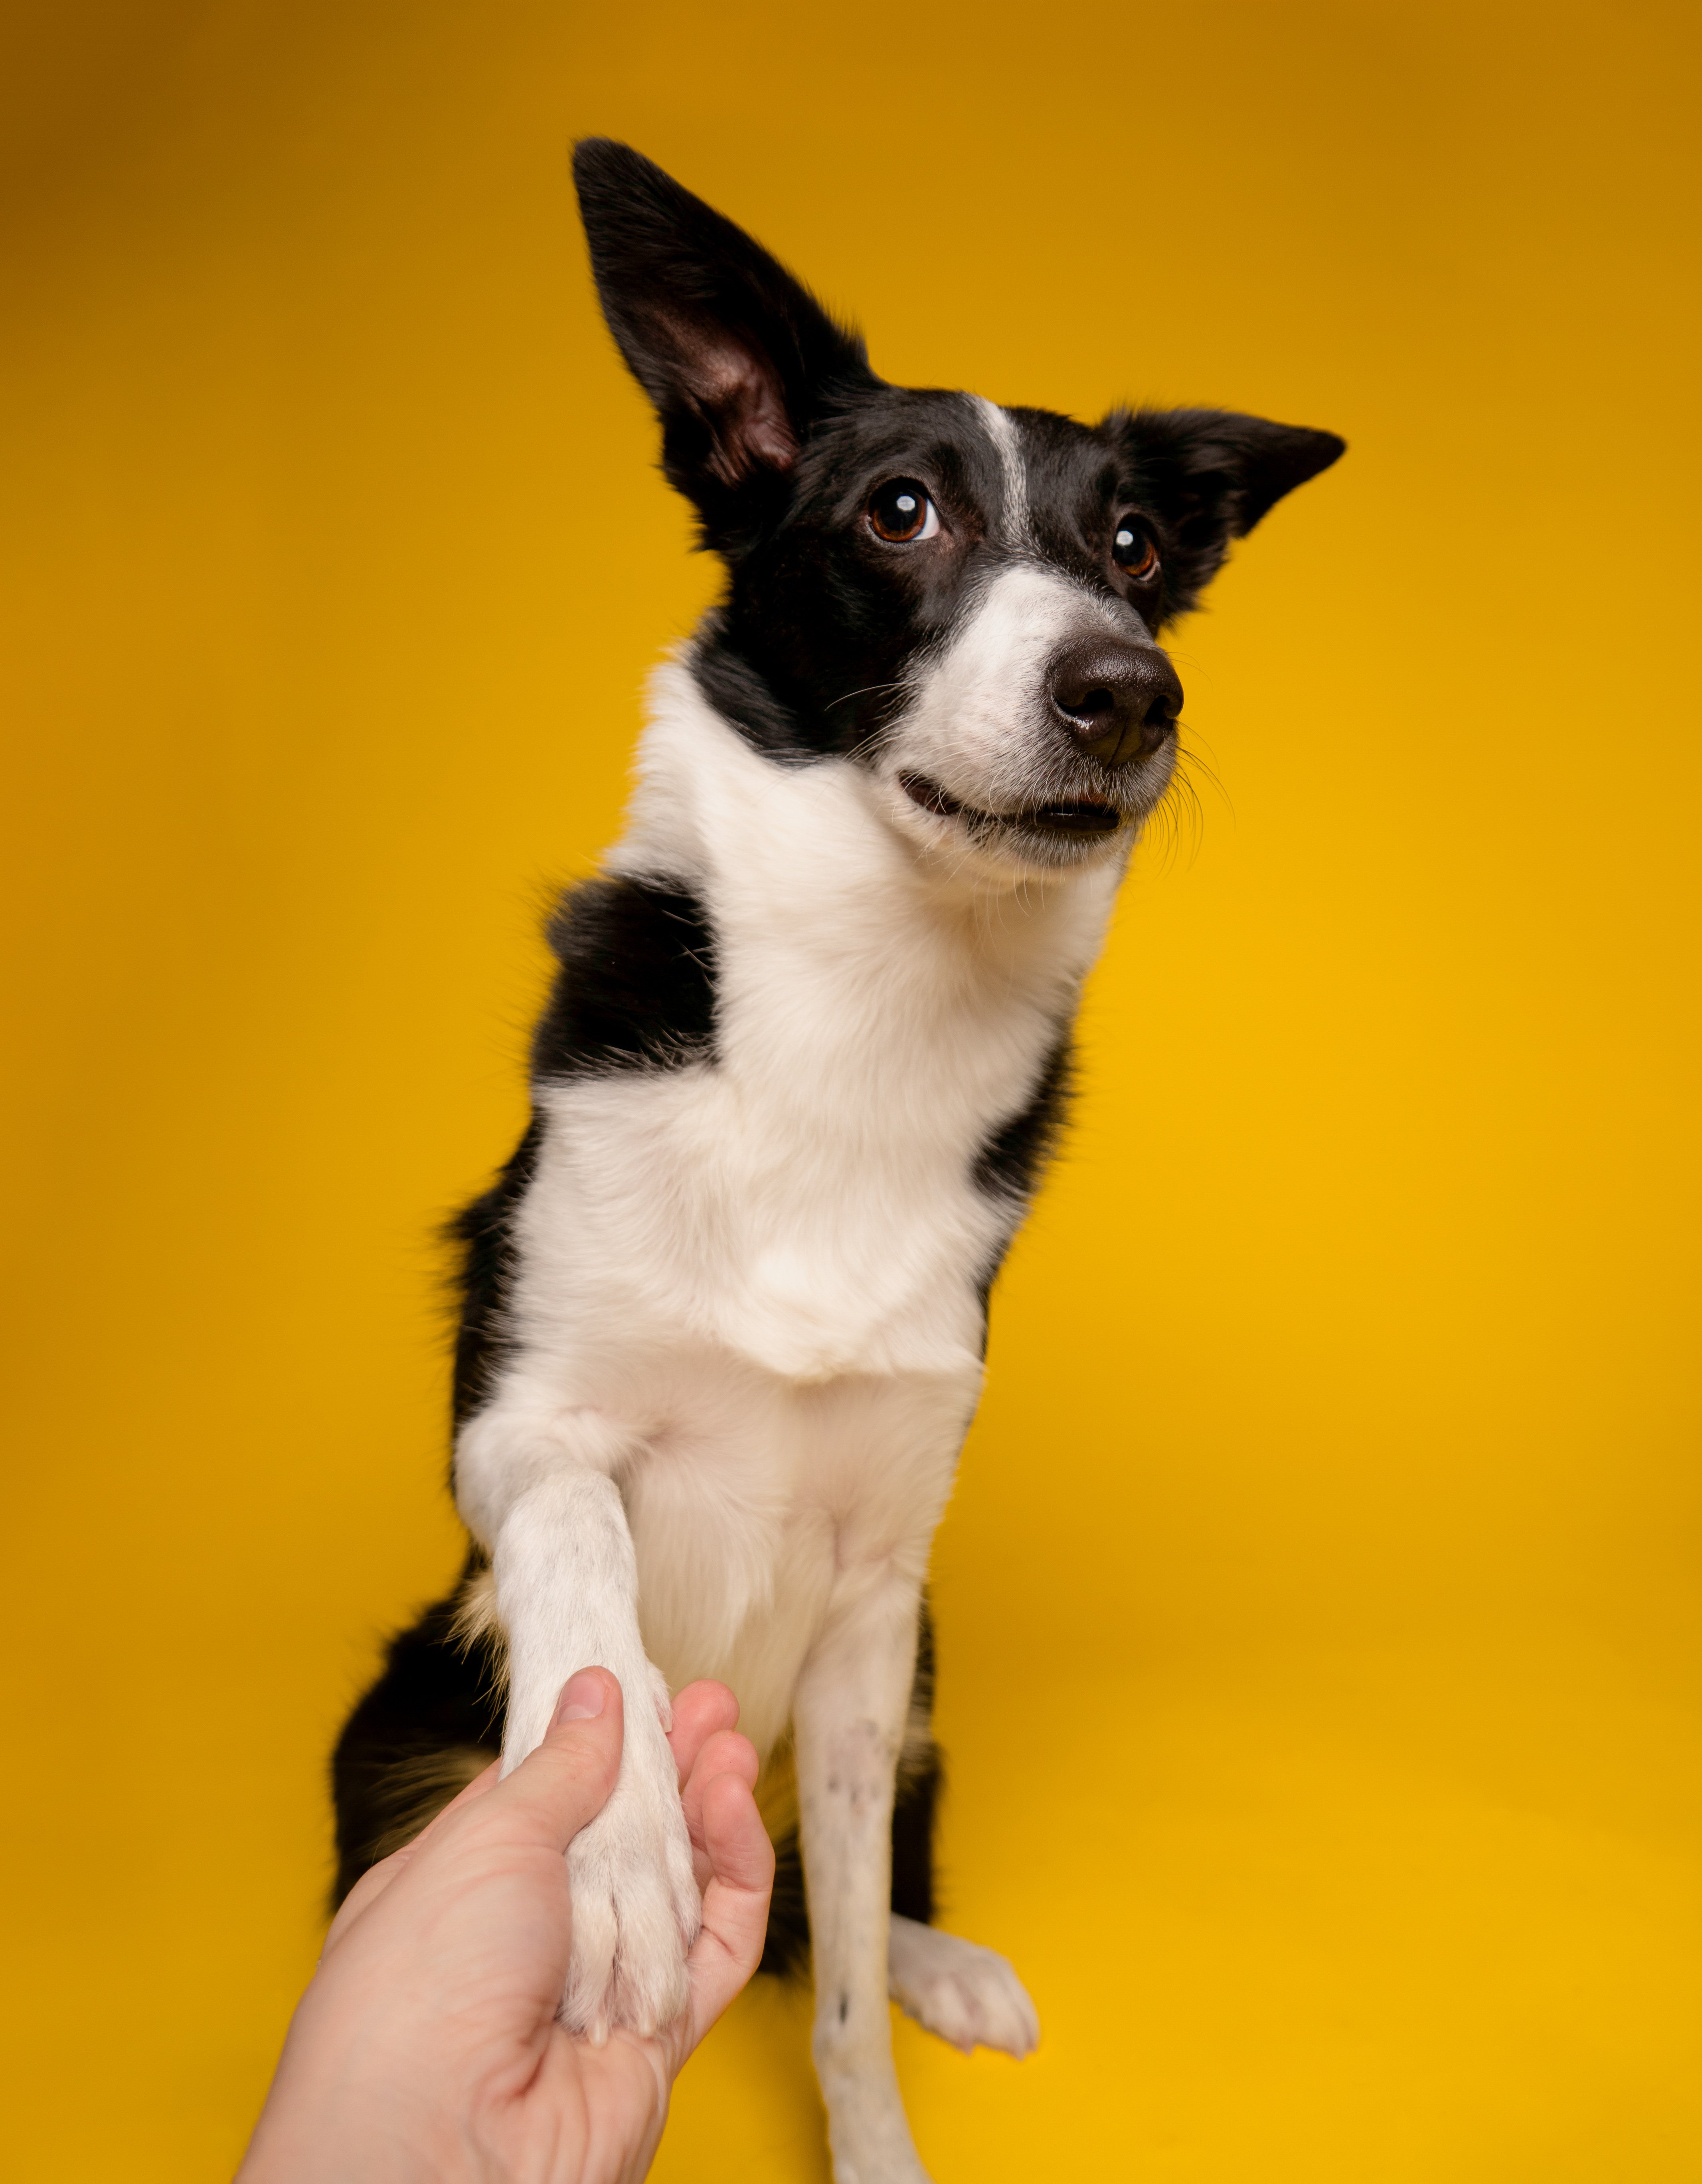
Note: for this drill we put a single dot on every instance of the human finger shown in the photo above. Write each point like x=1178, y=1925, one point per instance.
x=729, y=1948
x=699, y=1710
x=726, y=1753
x=562, y=1784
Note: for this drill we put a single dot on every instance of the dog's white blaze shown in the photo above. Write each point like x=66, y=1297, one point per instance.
x=1001, y=429
x=747, y=1329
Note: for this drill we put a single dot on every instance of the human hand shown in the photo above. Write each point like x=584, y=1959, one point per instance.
x=425, y=2049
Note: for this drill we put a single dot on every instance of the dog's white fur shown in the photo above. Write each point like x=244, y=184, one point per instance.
x=746, y=1329
x=1000, y=427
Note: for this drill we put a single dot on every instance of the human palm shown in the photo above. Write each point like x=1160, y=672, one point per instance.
x=426, y=2047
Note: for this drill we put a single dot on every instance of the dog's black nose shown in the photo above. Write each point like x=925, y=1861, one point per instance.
x=1119, y=701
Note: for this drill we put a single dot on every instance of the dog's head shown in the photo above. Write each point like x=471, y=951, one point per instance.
x=965, y=599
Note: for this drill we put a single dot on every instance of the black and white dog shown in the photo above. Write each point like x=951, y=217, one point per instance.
x=724, y=1310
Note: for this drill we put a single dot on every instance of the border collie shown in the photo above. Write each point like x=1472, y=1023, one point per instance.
x=723, y=1313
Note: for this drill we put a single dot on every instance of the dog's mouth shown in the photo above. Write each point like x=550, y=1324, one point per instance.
x=1086, y=816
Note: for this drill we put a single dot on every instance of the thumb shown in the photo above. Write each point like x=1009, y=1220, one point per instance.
x=567, y=1780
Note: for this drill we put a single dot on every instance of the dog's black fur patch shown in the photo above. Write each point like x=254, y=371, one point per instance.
x=636, y=988
x=1010, y=1165
x=479, y=1235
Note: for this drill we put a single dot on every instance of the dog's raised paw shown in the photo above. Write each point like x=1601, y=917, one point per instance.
x=635, y=1912
x=965, y=1994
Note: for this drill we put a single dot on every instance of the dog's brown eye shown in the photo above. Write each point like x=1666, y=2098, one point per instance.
x=900, y=511
x=1133, y=551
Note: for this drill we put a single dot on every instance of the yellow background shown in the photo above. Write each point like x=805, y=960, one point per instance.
x=1319, y=1608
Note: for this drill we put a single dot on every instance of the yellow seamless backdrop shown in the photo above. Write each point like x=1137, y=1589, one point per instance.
x=1318, y=1609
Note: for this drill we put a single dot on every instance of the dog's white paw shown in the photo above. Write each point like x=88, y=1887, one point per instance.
x=636, y=1906
x=966, y=1994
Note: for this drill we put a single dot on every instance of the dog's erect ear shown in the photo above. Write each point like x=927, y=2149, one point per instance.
x=1208, y=475
x=738, y=358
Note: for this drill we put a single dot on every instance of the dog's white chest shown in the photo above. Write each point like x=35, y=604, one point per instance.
x=683, y=1209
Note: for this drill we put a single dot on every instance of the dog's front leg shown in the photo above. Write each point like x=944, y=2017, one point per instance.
x=848, y=1717
x=539, y=1492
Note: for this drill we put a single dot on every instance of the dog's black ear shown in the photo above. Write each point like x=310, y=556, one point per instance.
x=1208, y=475
x=738, y=357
